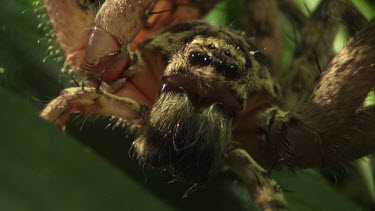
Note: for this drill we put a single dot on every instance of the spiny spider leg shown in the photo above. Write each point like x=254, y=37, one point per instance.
x=70, y=20
x=265, y=191
x=89, y=101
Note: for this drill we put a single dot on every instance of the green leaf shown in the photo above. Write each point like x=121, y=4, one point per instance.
x=308, y=190
x=42, y=169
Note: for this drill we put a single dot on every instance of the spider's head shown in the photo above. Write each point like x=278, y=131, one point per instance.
x=207, y=69
x=205, y=85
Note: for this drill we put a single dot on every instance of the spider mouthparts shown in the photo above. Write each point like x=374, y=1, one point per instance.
x=202, y=93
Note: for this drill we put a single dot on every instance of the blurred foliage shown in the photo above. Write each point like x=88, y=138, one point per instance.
x=90, y=169
x=41, y=169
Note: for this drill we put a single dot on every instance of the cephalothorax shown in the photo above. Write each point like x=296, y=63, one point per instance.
x=211, y=76
x=199, y=96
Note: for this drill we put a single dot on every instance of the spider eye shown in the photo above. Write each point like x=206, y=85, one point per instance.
x=228, y=53
x=199, y=58
x=228, y=70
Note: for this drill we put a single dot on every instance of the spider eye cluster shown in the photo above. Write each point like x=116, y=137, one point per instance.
x=200, y=58
x=223, y=62
x=229, y=70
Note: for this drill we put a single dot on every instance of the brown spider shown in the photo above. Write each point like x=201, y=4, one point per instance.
x=200, y=96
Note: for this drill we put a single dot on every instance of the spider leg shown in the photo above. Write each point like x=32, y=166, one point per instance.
x=316, y=35
x=264, y=190
x=113, y=41
x=89, y=101
x=264, y=27
x=282, y=131
x=292, y=13
x=112, y=14
x=178, y=11
x=70, y=20
x=333, y=126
